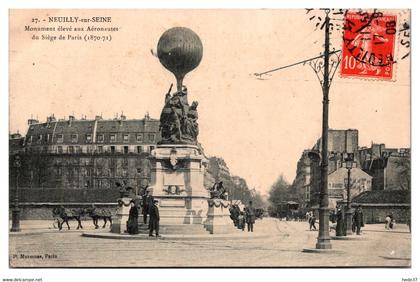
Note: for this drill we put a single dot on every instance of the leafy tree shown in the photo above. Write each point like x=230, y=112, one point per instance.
x=280, y=191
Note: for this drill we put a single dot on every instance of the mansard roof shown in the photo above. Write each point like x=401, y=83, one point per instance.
x=64, y=131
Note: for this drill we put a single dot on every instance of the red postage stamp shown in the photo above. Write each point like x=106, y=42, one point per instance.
x=368, y=45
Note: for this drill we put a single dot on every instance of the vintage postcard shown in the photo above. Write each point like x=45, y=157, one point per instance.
x=209, y=138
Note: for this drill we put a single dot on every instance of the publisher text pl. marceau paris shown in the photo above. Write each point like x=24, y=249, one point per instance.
x=77, y=19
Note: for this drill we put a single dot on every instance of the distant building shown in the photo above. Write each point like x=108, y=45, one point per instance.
x=80, y=160
x=16, y=143
x=375, y=168
x=360, y=182
x=340, y=141
x=390, y=168
x=308, y=174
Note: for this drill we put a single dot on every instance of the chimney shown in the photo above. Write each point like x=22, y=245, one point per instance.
x=32, y=121
x=50, y=119
x=15, y=136
x=98, y=117
x=71, y=119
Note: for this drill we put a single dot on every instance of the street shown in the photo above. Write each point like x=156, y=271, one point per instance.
x=38, y=245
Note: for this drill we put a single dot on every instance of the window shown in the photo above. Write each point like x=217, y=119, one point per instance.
x=112, y=149
x=125, y=138
x=151, y=137
x=60, y=138
x=71, y=150
x=88, y=171
x=87, y=184
x=112, y=171
x=139, y=149
x=100, y=149
x=39, y=138
x=29, y=140
x=100, y=138
x=78, y=149
x=58, y=171
x=70, y=172
x=113, y=138
x=48, y=137
x=124, y=173
x=88, y=138
x=152, y=148
x=60, y=149
x=139, y=137
x=73, y=138
x=125, y=149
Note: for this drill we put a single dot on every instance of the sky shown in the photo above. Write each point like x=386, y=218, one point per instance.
x=260, y=127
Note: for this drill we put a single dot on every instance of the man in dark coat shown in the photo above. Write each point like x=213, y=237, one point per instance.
x=250, y=217
x=340, y=227
x=312, y=221
x=154, y=219
x=358, y=219
x=145, y=208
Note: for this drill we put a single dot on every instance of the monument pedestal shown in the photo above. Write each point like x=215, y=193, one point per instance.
x=218, y=217
x=119, y=221
x=177, y=182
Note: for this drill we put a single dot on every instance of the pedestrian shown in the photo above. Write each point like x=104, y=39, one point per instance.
x=132, y=223
x=358, y=219
x=409, y=224
x=339, y=229
x=241, y=221
x=154, y=219
x=145, y=208
x=312, y=221
x=250, y=217
x=392, y=224
x=387, y=222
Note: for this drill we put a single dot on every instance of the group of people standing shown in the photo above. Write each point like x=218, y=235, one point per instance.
x=240, y=218
x=149, y=207
x=339, y=217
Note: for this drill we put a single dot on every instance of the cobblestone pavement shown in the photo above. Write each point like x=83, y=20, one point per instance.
x=39, y=245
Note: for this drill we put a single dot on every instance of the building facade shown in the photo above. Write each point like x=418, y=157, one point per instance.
x=360, y=182
x=81, y=160
x=341, y=143
x=389, y=167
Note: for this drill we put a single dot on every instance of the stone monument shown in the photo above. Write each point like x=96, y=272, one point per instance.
x=178, y=163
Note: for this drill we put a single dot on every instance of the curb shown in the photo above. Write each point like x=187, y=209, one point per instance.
x=109, y=235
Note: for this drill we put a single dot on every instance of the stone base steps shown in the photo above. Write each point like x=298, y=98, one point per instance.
x=176, y=229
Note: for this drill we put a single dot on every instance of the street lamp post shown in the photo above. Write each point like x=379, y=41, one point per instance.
x=349, y=212
x=324, y=67
x=323, y=241
x=15, y=209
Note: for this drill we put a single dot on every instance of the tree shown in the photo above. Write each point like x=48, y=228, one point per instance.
x=280, y=191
